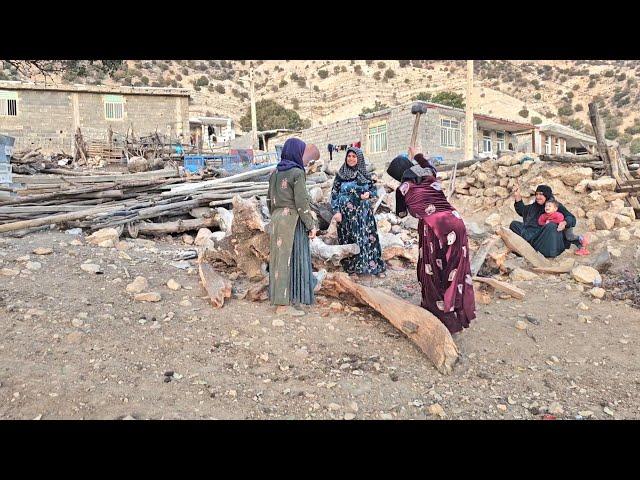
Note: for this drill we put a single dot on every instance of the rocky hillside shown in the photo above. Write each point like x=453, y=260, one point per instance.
x=328, y=90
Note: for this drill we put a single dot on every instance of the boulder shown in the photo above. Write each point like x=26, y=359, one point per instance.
x=384, y=225
x=521, y=275
x=203, y=236
x=623, y=235
x=574, y=175
x=597, y=292
x=586, y=274
x=622, y=221
x=493, y=220
x=605, y=220
x=410, y=222
x=582, y=185
x=616, y=206
x=607, y=184
x=104, y=237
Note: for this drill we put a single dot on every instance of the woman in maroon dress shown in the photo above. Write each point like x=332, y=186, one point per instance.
x=444, y=271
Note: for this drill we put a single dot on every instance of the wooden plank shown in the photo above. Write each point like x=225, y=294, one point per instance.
x=564, y=267
x=421, y=326
x=481, y=254
x=502, y=286
x=516, y=243
x=218, y=288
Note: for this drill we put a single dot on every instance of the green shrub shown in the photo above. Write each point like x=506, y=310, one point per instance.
x=376, y=107
x=381, y=65
x=323, y=73
x=283, y=83
x=611, y=133
x=536, y=120
x=635, y=146
x=578, y=107
x=524, y=113
x=220, y=89
x=203, y=81
x=565, y=111
x=537, y=96
x=424, y=96
x=389, y=73
x=376, y=75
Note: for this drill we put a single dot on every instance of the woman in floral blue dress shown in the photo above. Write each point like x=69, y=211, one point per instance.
x=351, y=200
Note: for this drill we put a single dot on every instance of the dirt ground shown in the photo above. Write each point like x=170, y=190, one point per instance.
x=75, y=345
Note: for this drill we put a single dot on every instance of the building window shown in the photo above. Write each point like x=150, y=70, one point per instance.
x=557, y=145
x=377, y=138
x=8, y=104
x=449, y=133
x=114, y=107
x=500, y=140
x=486, y=141
x=547, y=145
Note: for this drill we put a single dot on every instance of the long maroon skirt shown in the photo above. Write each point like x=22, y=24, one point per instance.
x=444, y=271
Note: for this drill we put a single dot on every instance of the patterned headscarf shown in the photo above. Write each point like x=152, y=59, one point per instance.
x=291, y=156
x=360, y=170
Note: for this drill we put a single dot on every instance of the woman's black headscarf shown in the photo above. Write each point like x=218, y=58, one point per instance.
x=348, y=173
x=403, y=169
x=546, y=191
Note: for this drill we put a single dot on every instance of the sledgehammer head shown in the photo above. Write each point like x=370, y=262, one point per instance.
x=418, y=108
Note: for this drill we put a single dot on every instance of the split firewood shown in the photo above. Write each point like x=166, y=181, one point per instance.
x=565, y=267
x=519, y=245
x=422, y=327
x=259, y=292
x=497, y=260
x=332, y=253
x=481, y=254
x=502, y=286
x=218, y=288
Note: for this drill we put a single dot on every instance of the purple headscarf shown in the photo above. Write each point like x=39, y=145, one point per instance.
x=291, y=156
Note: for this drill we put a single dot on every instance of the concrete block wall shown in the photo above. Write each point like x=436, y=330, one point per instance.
x=46, y=118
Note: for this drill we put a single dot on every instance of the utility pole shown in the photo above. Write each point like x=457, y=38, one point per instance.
x=468, y=127
x=254, y=122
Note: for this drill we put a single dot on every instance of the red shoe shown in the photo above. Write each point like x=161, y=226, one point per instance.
x=584, y=241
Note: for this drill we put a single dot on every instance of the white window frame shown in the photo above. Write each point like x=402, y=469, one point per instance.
x=8, y=104
x=557, y=145
x=450, y=133
x=501, y=141
x=547, y=144
x=487, y=144
x=114, y=107
x=377, y=137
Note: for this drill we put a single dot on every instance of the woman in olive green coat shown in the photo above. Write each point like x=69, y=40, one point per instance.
x=292, y=225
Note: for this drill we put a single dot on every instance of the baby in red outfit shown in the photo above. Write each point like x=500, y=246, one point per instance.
x=551, y=214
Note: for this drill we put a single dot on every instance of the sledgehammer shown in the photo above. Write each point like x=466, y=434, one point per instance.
x=417, y=109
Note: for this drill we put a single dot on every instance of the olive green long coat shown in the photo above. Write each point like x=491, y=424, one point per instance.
x=288, y=201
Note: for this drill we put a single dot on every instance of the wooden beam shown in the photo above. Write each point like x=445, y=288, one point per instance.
x=516, y=243
x=481, y=254
x=502, y=286
x=598, y=129
x=218, y=288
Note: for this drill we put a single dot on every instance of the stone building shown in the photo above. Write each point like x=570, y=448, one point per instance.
x=47, y=116
x=386, y=133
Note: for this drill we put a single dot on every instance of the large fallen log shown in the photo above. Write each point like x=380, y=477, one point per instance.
x=422, y=327
x=178, y=226
x=218, y=288
x=517, y=244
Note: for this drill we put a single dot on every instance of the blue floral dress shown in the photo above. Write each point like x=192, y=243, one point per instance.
x=358, y=225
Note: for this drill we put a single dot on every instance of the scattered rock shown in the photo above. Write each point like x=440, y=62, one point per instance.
x=106, y=237
x=623, y=235
x=139, y=285
x=336, y=306
x=173, y=285
x=74, y=337
x=147, y=297
x=493, y=220
x=349, y=416
x=185, y=303
x=597, y=292
x=90, y=267
x=76, y=322
x=556, y=409
x=605, y=220
x=521, y=325
x=187, y=239
x=519, y=274
x=586, y=274
x=586, y=413
x=608, y=411
x=501, y=407
x=203, y=236
x=582, y=306
x=436, y=409
x=42, y=251
x=8, y=272
x=277, y=322
x=33, y=266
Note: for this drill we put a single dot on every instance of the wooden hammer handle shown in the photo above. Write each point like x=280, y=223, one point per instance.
x=414, y=133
